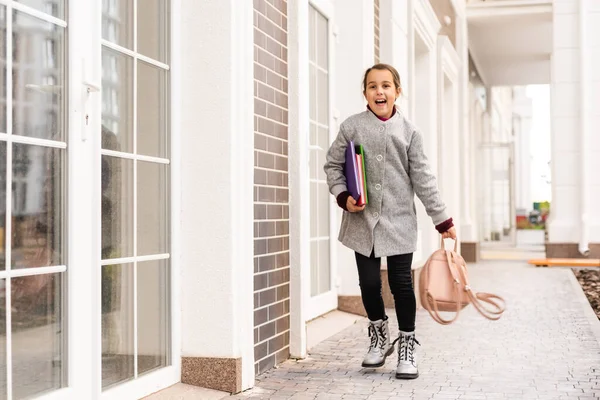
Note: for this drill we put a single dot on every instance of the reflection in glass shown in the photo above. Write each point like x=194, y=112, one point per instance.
x=2, y=206
x=38, y=340
x=152, y=111
x=152, y=208
x=117, y=207
x=2, y=69
x=38, y=206
x=38, y=78
x=3, y=341
x=117, y=22
x=153, y=315
x=56, y=8
x=153, y=28
x=117, y=324
x=117, y=101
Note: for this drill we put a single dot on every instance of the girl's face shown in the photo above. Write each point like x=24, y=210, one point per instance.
x=380, y=92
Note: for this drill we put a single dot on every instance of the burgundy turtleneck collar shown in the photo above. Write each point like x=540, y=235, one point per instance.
x=381, y=118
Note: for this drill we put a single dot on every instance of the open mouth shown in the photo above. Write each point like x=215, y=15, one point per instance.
x=380, y=102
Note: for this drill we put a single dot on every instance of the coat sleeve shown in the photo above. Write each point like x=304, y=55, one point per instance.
x=423, y=180
x=334, y=163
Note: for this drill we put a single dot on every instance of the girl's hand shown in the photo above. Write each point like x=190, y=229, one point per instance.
x=351, y=205
x=450, y=234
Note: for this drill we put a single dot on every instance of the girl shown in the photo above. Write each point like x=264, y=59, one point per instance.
x=396, y=169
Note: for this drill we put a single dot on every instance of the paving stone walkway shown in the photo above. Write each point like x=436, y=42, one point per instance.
x=546, y=346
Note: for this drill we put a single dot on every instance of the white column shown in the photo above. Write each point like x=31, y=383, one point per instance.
x=422, y=103
x=217, y=148
x=354, y=53
x=593, y=140
x=575, y=158
x=299, y=98
x=394, y=42
x=468, y=229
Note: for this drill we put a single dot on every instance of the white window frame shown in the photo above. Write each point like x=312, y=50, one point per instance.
x=303, y=307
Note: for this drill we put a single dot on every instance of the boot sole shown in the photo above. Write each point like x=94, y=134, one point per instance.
x=407, y=376
x=381, y=364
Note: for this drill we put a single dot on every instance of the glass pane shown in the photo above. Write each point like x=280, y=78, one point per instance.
x=323, y=96
x=152, y=29
x=312, y=45
x=117, y=207
x=117, y=101
x=2, y=206
x=152, y=111
x=56, y=8
x=323, y=198
x=314, y=210
x=2, y=69
x=324, y=271
x=313, y=92
x=38, y=335
x=314, y=268
x=322, y=39
x=313, y=134
x=2, y=339
x=38, y=206
x=153, y=315
x=152, y=208
x=117, y=324
x=314, y=164
x=117, y=22
x=38, y=78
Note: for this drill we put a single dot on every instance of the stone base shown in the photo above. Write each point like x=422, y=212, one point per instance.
x=570, y=250
x=470, y=251
x=352, y=305
x=224, y=374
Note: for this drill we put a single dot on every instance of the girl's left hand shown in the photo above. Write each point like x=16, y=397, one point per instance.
x=450, y=234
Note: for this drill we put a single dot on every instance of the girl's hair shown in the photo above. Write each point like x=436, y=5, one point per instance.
x=383, y=67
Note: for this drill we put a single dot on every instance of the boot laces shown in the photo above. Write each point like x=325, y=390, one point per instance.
x=378, y=337
x=406, y=349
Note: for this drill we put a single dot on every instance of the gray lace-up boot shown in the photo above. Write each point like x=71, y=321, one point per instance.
x=407, y=363
x=380, y=346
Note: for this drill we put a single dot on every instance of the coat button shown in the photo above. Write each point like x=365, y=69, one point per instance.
x=376, y=215
x=378, y=187
x=379, y=157
x=381, y=128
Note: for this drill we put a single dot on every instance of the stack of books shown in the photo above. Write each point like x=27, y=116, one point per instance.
x=356, y=175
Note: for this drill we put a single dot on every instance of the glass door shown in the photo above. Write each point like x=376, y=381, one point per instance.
x=33, y=198
x=322, y=290
x=85, y=259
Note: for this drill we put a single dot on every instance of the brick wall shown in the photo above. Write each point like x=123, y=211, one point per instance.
x=376, y=2
x=271, y=193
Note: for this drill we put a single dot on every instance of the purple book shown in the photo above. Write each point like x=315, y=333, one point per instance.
x=351, y=171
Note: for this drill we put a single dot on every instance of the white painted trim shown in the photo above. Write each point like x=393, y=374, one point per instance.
x=242, y=184
x=585, y=153
x=176, y=139
x=326, y=301
x=143, y=386
x=299, y=188
x=426, y=22
x=448, y=58
x=507, y=7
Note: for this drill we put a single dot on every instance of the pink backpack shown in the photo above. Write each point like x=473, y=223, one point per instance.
x=444, y=286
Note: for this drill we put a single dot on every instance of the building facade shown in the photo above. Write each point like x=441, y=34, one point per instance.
x=164, y=214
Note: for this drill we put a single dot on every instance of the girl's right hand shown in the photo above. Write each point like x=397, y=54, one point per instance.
x=351, y=205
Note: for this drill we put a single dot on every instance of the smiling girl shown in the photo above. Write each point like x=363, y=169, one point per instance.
x=396, y=169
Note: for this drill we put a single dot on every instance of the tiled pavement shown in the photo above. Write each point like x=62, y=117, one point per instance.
x=546, y=346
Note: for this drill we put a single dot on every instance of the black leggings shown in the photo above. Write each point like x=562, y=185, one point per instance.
x=401, y=285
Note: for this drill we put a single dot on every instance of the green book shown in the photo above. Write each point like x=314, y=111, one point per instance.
x=361, y=152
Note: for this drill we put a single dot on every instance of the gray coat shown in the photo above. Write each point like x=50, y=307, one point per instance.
x=396, y=168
